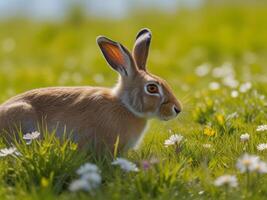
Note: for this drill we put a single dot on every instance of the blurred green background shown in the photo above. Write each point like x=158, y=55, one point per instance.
x=43, y=51
x=213, y=54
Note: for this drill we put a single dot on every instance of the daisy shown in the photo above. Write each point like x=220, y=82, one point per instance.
x=29, y=137
x=94, y=179
x=9, y=151
x=262, y=147
x=228, y=180
x=87, y=168
x=245, y=87
x=202, y=70
x=125, y=165
x=79, y=184
x=173, y=139
x=261, y=167
x=223, y=71
x=262, y=128
x=230, y=81
x=244, y=137
x=247, y=163
x=90, y=178
x=234, y=94
x=214, y=86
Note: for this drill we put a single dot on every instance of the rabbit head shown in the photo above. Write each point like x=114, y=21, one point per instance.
x=143, y=93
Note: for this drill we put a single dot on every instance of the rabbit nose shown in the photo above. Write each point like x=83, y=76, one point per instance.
x=176, y=110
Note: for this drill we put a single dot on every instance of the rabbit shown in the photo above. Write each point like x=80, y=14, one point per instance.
x=97, y=114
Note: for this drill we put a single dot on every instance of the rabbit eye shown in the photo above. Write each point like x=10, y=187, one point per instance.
x=152, y=88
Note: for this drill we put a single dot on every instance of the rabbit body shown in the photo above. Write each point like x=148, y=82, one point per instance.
x=94, y=114
x=90, y=113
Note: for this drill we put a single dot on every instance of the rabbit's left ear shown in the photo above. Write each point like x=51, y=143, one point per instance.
x=141, y=48
x=117, y=56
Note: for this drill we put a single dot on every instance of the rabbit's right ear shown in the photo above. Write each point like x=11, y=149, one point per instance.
x=117, y=56
x=141, y=48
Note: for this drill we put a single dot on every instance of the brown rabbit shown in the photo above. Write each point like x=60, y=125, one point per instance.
x=96, y=114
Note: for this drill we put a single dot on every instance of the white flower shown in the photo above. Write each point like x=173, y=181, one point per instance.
x=230, y=81
x=94, y=179
x=214, y=86
x=90, y=178
x=244, y=137
x=261, y=167
x=247, y=163
x=262, y=128
x=125, y=165
x=79, y=184
x=234, y=94
x=207, y=146
x=262, y=147
x=202, y=70
x=228, y=180
x=87, y=168
x=31, y=136
x=223, y=71
x=173, y=139
x=9, y=151
x=245, y=87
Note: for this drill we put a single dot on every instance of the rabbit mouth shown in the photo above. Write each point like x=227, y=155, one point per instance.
x=167, y=118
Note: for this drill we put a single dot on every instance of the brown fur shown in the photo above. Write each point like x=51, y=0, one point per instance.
x=94, y=114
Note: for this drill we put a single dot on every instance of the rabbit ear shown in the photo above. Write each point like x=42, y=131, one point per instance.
x=141, y=48
x=117, y=56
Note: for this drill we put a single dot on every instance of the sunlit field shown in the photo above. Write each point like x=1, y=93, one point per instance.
x=215, y=59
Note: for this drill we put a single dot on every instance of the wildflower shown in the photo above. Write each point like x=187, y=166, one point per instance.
x=223, y=71
x=90, y=178
x=79, y=184
x=262, y=128
x=201, y=192
x=228, y=180
x=245, y=87
x=234, y=94
x=207, y=146
x=125, y=165
x=230, y=81
x=261, y=167
x=244, y=137
x=220, y=119
x=31, y=136
x=146, y=164
x=87, y=168
x=262, y=147
x=214, y=86
x=202, y=70
x=173, y=139
x=44, y=182
x=247, y=163
x=9, y=151
x=94, y=179
x=209, y=131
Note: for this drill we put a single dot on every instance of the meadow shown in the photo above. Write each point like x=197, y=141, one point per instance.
x=215, y=59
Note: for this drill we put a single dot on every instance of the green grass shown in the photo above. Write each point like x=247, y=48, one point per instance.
x=34, y=54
